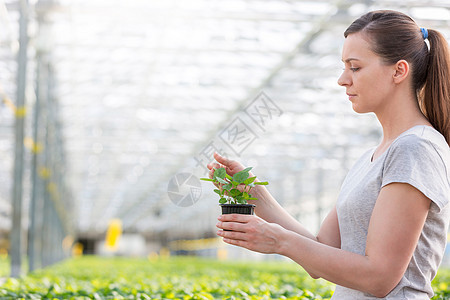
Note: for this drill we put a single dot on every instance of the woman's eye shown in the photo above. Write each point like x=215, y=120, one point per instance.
x=352, y=69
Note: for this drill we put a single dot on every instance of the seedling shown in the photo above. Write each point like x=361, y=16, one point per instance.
x=234, y=189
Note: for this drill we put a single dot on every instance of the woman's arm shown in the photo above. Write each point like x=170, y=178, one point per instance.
x=395, y=226
x=271, y=211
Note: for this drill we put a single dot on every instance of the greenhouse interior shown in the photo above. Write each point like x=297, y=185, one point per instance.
x=111, y=110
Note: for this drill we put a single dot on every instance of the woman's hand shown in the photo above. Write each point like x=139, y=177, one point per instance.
x=251, y=232
x=231, y=166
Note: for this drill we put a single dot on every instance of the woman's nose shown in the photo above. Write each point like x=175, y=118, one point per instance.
x=344, y=79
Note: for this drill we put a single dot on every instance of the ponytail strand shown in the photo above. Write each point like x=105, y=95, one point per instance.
x=434, y=97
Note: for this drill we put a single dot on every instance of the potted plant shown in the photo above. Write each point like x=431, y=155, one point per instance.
x=234, y=191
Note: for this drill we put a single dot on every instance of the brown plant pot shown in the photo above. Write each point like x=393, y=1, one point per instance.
x=243, y=209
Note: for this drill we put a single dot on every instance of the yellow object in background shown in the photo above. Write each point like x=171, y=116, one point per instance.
x=20, y=112
x=77, y=249
x=113, y=234
x=67, y=242
x=222, y=254
x=164, y=252
x=3, y=253
x=153, y=256
x=30, y=144
x=44, y=173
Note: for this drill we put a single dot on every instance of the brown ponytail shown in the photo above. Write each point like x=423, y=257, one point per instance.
x=395, y=36
x=435, y=95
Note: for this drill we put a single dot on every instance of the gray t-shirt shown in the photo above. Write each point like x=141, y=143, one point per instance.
x=420, y=157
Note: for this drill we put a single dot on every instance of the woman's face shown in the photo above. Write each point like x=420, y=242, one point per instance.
x=368, y=81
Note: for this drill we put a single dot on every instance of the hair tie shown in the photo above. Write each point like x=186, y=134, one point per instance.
x=424, y=33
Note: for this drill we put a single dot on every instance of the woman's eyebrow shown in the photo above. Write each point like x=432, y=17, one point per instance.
x=349, y=60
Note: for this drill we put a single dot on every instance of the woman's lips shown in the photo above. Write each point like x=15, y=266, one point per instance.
x=351, y=96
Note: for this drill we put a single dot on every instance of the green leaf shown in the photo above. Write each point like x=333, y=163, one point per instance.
x=222, y=200
x=207, y=179
x=227, y=186
x=249, y=180
x=221, y=180
x=240, y=177
x=229, y=177
x=241, y=201
x=252, y=198
x=217, y=191
x=262, y=183
x=220, y=173
x=245, y=195
x=235, y=193
x=247, y=169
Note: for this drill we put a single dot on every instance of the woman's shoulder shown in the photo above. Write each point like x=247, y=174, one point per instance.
x=423, y=139
x=420, y=157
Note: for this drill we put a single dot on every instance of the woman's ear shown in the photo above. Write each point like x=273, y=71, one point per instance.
x=401, y=71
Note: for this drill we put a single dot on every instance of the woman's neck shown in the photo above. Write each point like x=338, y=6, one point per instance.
x=401, y=114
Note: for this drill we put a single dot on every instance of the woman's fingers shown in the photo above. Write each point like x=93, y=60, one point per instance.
x=231, y=226
x=235, y=218
x=232, y=235
x=212, y=166
x=250, y=232
x=231, y=166
x=221, y=159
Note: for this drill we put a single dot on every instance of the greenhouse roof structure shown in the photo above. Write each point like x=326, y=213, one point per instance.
x=138, y=94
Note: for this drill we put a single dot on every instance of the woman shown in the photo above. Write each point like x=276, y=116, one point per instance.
x=386, y=235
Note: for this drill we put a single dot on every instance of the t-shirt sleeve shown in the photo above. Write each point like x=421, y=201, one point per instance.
x=415, y=161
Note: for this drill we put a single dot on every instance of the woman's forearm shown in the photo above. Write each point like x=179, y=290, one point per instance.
x=338, y=266
x=269, y=209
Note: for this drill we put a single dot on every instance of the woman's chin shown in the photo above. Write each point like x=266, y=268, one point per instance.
x=358, y=109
